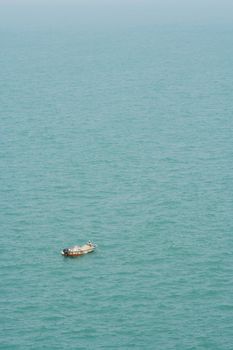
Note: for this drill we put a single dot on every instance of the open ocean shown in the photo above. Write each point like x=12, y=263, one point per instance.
x=123, y=137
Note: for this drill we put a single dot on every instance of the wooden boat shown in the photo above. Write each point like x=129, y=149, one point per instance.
x=79, y=250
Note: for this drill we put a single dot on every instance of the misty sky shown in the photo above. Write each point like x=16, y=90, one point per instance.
x=59, y=13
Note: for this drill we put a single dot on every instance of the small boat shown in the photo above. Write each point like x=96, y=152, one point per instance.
x=77, y=250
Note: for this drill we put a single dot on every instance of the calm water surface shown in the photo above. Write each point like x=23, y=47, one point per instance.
x=124, y=138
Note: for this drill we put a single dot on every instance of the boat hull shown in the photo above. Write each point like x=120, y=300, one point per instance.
x=78, y=250
x=74, y=254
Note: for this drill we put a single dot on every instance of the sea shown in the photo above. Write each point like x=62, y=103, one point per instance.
x=123, y=137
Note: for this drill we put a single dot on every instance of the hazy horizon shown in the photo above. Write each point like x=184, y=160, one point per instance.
x=55, y=14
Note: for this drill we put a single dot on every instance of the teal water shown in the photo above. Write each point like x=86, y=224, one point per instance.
x=123, y=137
